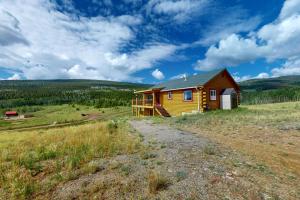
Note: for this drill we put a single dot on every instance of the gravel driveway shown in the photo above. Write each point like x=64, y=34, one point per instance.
x=194, y=167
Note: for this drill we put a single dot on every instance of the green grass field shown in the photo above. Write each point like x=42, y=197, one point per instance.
x=49, y=115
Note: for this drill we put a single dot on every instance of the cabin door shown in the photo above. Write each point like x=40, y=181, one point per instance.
x=157, y=98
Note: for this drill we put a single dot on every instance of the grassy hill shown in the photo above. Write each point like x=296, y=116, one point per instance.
x=271, y=83
x=271, y=90
x=96, y=93
x=69, y=84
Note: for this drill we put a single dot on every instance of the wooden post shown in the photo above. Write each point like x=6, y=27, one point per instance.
x=132, y=103
x=198, y=99
x=153, y=102
x=136, y=104
x=204, y=103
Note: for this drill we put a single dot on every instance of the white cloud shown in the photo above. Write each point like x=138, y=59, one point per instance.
x=231, y=51
x=179, y=76
x=230, y=21
x=277, y=40
x=240, y=79
x=14, y=77
x=290, y=7
x=59, y=45
x=290, y=67
x=262, y=75
x=179, y=10
x=158, y=74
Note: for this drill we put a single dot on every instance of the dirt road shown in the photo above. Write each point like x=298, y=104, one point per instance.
x=194, y=168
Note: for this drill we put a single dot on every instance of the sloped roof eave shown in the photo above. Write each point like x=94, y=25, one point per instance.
x=188, y=82
x=191, y=87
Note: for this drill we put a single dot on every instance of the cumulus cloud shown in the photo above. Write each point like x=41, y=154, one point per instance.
x=231, y=51
x=14, y=77
x=238, y=78
x=179, y=10
x=10, y=32
x=179, y=76
x=290, y=7
x=241, y=78
x=276, y=40
x=158, y=74
x=262, y=75
x=290, y=67
x=234, y=20
x=61, y=45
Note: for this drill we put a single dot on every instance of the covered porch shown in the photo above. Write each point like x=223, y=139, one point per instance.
x=145, y=102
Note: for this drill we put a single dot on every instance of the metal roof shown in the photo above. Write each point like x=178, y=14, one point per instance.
x=188, y=82
x=11, y=113
x=228, y=91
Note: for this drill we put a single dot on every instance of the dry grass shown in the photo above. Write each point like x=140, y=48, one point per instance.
x=269, y=133
x=33, y=163
x=157, y=182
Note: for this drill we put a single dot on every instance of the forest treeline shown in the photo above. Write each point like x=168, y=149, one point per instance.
x=271, y=90
x=270, y=96
x=86, y=92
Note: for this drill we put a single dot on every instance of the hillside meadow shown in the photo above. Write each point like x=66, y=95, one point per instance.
x=59, y=115
x=258, y=143
x=35, y=162
x=266, y=133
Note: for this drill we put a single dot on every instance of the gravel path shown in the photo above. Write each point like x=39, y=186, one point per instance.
x=183, y=158
x=194, y=167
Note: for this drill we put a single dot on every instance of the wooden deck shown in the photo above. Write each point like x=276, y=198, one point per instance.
x=136, y=103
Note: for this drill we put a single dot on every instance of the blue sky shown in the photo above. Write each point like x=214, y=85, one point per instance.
x=148, y=41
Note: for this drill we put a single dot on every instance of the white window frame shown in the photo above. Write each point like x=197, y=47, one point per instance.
x=213, y=95
x=191, y=95
x=170, y=95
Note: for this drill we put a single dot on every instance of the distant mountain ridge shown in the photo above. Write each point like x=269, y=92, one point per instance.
x=71, y=84
x=271, y=83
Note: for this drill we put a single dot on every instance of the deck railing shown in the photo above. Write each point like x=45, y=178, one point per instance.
x=139, y=102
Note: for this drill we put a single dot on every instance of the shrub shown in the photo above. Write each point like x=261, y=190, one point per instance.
x=157, y=182
x=126, y=169
x=112, y=126
x=209, y=150
x=181, y=175
x=147, y=155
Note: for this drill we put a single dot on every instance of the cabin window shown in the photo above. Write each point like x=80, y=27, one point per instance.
x=170, y=95
x=188, y=95
x=213, y=95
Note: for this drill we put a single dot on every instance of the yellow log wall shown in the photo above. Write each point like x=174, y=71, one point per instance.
x=177, y=105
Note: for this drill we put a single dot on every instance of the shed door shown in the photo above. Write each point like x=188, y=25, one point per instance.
x=226, y=102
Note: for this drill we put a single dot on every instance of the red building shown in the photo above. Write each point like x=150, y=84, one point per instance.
x=11, y=114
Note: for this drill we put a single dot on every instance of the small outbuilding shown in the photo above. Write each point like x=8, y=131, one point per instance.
x=229, y=99
x=9, y=114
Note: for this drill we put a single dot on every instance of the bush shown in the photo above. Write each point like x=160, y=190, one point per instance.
x=181, y=175
x=157, y=182
x=209, y=150
x=112, y=126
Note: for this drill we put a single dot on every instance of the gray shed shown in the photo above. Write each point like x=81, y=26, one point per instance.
x=229, y=99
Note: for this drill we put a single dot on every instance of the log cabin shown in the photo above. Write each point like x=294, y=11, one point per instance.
x=198, y=93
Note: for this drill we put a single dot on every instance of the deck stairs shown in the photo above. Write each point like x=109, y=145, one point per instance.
x=161, y=111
